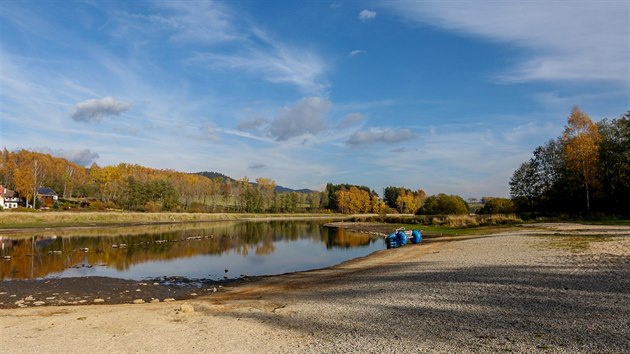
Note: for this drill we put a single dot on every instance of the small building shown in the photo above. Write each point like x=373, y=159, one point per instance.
x=9, y=199
x=47, y=197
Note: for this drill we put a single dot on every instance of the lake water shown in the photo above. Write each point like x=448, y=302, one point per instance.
x=217, y=251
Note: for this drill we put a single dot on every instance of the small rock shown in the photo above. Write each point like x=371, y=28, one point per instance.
x=153, y=301
x=12, y=295
x=39, y=303
x=29, y=298
x=138, y=290
x=85, y=249
x=3, y=293
x=169, y=299
x=156, y=283
x=214, y=290
x=98, y=301
x=7, y=257
x=22, y=305
x=138, y=301
x=82, y=301
x=186, y=308
x=19, y=302
x=50, y=298
x=193, y=294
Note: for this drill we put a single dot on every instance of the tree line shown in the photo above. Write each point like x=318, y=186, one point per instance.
x=134, y=187
x=586, y=170
x=138, y=188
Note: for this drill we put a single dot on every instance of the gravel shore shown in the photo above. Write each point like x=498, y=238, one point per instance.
x=514, y=292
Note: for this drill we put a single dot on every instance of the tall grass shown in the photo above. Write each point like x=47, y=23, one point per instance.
x=459, y=221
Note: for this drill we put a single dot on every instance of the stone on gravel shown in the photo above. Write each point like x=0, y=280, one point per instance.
x=98, y=301
x=186, y=308
x=138, y=301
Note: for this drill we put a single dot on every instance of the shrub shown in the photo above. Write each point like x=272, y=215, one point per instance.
x=498, y=206
x=443, y=204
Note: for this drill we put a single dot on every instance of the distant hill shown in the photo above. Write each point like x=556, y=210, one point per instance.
x=212, y=175
x=279, y=189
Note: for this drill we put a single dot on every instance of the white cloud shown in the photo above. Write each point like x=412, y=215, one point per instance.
x=565, y=40
x=97, y=109
x=367, y=15
x=83, y=157
x=307, y=116
x=379, y=135
x=350, y=120
x=354, y=53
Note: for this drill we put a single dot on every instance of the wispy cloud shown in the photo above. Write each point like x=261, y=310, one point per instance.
x=367, y=15
x=350, y=120
x=255, y=124
x=357, y=52
x=379, y=135
x=566, y=40
x=257, y=166
x=276, y=64
x=205, y=22
x=97, y=109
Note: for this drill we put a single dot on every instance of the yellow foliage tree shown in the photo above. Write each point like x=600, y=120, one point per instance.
x=580, y=142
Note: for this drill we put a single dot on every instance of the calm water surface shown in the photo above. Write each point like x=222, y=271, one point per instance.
x=189, y=250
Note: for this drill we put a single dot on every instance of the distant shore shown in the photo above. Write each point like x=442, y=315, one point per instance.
x=16, y=222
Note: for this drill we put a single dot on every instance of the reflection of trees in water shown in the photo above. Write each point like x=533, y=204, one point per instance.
x=37, y=257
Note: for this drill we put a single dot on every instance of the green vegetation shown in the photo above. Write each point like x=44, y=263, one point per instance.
x=443, y=204
x=498, y=206
x=574, y=244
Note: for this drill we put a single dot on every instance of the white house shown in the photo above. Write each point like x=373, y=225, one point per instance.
x=8, y=199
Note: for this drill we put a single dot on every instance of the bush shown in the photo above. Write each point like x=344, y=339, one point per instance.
x=498, y=206
x=153, y=206
x=443, y=204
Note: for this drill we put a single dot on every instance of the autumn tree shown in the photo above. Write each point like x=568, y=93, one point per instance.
x=267, y=188
x=580, y=142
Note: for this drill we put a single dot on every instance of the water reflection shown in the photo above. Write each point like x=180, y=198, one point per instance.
x=196, y=251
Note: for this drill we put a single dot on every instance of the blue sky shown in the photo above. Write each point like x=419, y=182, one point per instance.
x=448, y=96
